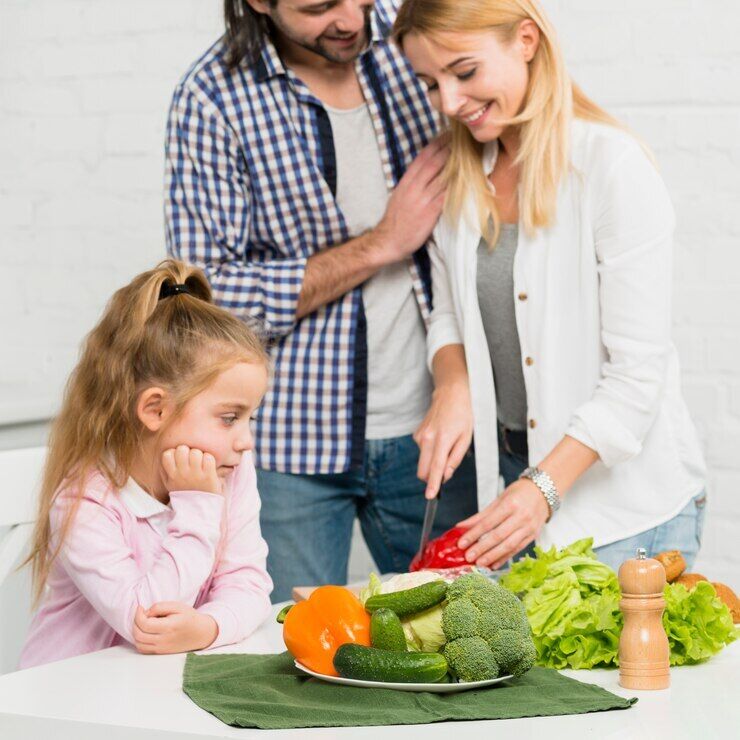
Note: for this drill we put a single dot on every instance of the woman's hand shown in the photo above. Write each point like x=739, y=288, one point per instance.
x=172, y=627
x=188, y=469
x=444, y=436
x=505, y=526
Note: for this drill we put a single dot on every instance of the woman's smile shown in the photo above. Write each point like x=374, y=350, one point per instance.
x=477, y=117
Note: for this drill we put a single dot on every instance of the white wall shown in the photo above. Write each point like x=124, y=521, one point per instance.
x=84, y=90
x=671, y=70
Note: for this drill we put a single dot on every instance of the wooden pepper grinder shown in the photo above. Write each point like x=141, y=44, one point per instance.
x=643, y=647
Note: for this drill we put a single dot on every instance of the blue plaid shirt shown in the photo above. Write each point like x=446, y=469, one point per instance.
x=250, y=195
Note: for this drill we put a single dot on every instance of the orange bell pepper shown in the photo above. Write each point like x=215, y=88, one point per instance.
x=315, y=628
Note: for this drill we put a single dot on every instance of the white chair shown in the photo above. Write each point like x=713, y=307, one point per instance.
x=20, y=477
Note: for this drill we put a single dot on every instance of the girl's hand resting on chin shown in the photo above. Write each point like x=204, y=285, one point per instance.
x=188, y=469
x=172, y=627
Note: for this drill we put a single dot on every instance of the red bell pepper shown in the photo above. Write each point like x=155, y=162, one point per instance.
x=441, y=552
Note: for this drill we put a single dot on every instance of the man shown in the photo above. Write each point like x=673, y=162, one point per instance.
x=299, y=178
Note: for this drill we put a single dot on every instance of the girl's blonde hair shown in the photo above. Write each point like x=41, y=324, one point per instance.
x=551, y=101
x=181, y=342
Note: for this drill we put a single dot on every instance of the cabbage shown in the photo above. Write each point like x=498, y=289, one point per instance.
x=373, y=587
x=423, y=630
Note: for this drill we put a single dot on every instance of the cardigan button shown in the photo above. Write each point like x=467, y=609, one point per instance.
x=522, y=296
x=532, y=423
x=529, y=361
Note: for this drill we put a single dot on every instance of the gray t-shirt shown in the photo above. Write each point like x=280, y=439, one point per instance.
x=495, y=283
x=399, y=385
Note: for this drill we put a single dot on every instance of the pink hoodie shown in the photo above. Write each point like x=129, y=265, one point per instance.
x=126, y=549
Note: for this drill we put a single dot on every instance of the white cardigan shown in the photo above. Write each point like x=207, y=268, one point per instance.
x=593, y=312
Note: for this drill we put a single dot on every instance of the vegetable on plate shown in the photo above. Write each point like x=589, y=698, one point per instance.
x=315, y=628
x=486, y=629
x=386, y=631
x=375, y=664
x=480, y=627
x=410, y=601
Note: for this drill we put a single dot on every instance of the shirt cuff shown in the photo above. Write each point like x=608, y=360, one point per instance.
x=441, y=333
x=226, y=621
x=231, y=629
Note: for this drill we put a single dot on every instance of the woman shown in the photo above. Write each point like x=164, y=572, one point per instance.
x=552, y=283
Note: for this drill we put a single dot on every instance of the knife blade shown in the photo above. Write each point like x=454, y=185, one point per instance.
x=429, y=513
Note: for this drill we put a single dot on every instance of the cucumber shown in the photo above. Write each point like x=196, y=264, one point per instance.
x=386, y=631
x=410, y=601
x=374, y=664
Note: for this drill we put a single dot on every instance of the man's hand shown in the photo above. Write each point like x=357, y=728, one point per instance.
x=410, y=215
x=172, y=627
x=444, y=436
x=187, y=469
x=415, y=204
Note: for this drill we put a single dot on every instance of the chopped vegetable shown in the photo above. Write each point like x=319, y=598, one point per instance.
x=441, y=552
x=315, y=628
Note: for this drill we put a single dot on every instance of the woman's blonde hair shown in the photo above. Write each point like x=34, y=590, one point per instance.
x=180, y=342
x=551, y=101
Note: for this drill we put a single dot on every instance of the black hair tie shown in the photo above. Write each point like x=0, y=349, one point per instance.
x=169, y=289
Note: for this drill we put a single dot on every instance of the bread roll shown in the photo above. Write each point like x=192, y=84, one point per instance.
x=690, y=579
x=673, y=563
x=728, y=596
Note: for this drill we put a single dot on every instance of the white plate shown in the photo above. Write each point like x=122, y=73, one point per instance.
x=435, y=688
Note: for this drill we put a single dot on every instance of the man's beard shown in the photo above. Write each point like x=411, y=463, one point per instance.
x=322, y=47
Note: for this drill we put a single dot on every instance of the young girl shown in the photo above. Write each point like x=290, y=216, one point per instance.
x=148, y=528
x=552, y=288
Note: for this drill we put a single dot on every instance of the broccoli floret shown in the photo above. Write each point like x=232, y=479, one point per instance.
x=459, y=619
x=481, y=613
x=513, y=650
x=471, y=659
x=467, y=584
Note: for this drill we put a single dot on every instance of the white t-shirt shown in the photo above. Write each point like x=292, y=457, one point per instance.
x=399, y=384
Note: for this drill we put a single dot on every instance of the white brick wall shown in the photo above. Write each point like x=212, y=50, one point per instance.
x=84, y=90
x=671, y=70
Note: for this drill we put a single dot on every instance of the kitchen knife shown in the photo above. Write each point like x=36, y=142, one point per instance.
x=429, y=514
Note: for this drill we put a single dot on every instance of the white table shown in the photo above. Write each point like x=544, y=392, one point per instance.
x=117, y=694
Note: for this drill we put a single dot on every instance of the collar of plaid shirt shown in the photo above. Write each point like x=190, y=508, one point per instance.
x=250, y=195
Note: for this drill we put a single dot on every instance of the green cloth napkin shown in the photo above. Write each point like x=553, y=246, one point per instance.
x=270, y=693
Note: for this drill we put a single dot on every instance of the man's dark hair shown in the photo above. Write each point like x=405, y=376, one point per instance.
x=246, y=30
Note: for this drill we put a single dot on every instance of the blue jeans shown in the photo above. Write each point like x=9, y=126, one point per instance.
x=307, y=519
x=683, y=532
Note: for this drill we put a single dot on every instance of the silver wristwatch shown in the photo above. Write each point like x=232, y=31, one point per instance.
x=544, y=482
